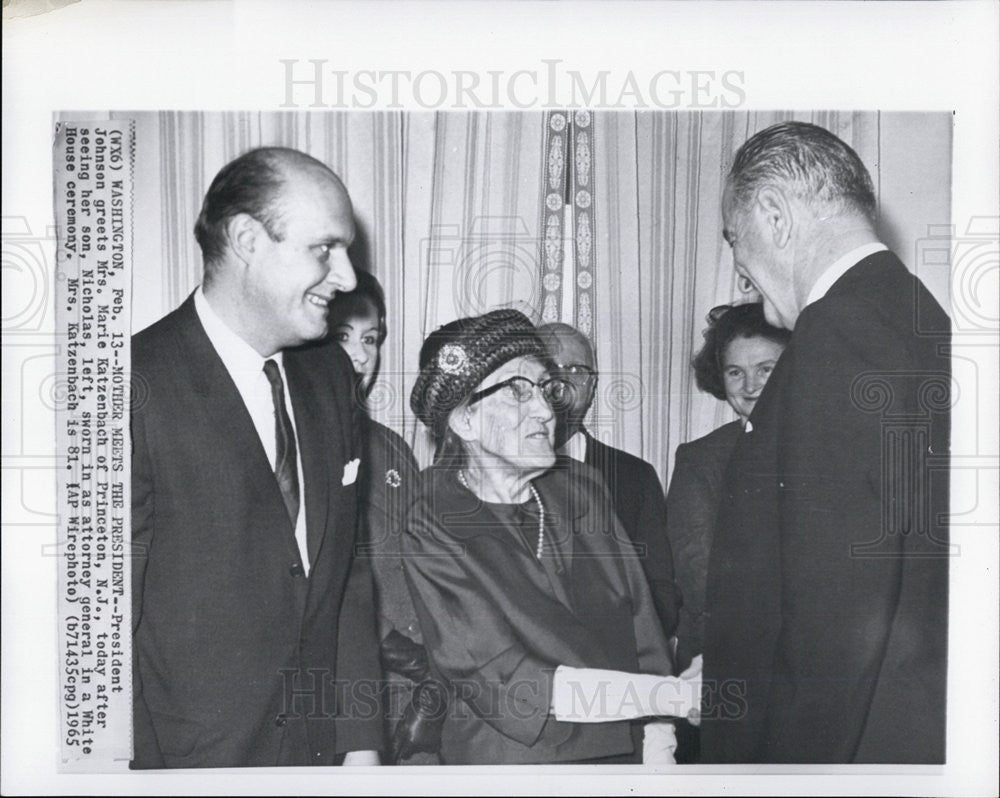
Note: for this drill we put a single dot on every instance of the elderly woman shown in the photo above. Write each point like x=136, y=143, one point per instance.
x=739, y=354
x=531, y=600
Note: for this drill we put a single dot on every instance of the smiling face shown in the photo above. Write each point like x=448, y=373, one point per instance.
x=358, y=334
x=747, y=364
x=288, y=283
x=756, y=258
x=506, y=434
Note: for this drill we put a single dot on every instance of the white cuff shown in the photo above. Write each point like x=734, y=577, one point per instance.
x=595, y=695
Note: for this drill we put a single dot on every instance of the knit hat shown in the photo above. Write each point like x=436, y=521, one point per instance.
x=457, y=357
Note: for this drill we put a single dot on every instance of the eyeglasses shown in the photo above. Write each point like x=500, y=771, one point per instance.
x=554, y=390
x=578, y=371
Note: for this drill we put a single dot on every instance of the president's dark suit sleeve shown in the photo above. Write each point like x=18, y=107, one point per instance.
x=146, y=750
x=838, y=608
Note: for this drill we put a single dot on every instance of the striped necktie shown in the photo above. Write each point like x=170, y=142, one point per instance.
x=285, y=460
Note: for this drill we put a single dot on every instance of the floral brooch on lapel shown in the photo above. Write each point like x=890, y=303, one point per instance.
x=392, y=478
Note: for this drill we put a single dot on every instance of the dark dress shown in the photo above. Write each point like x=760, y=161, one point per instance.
x=692, y=507
x=497, y=621
x=390, y=481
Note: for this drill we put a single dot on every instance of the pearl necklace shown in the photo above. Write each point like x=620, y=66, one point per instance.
x=541, y=513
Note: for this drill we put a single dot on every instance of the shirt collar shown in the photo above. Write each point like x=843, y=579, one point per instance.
x=576, y=447
x=840, y=267
x=242, y=361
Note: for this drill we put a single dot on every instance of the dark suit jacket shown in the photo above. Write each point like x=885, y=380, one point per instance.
x=226, y=626
x=497, y=621
x=828, y=577
x=638, y=500
x=692, y=507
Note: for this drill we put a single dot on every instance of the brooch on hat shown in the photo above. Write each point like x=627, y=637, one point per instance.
x=452, y=358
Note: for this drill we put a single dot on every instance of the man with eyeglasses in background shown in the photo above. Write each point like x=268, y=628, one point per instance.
x=635, y=488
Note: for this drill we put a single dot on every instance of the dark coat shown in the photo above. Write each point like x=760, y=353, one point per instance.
x=692, y=507
x=638, y=500
x=828, y=577
x=497, y=621
x=225, y=622
x=390, y=481
x=389, y=484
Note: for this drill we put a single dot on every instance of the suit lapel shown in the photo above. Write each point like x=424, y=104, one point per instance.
x=224, y=408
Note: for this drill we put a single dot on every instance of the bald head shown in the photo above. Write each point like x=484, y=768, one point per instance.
x=254, y=184
x=567, y=345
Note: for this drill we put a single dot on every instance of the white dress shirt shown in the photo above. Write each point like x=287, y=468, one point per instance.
x=840, y=266
x=576, y=447
x=246, y=367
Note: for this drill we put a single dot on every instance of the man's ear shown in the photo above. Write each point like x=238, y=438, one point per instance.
x=460, y=422
x=244, y=234
x=775, y=208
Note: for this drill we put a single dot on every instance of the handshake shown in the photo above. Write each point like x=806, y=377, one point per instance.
x=594, y=695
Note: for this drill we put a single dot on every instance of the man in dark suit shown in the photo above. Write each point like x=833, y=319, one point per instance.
x=254, y=638
x=826, y=635
x=633, y=484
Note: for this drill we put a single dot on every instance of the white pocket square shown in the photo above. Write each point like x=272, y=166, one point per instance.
x=351, y=471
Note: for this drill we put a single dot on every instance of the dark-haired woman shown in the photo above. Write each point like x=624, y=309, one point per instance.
x=740, y=351
x=389, y=483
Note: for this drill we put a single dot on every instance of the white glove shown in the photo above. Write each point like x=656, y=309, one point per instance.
x=595, y=695
x=659, y=743
x=693, y=676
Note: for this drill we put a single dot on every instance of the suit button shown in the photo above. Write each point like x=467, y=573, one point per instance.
x=297, y=570
x=281, y=720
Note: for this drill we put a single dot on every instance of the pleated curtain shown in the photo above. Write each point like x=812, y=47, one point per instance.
x=452, y=211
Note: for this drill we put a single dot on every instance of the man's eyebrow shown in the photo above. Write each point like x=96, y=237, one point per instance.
x=333, y=241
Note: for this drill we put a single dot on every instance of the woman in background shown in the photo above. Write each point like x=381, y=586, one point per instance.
x=389, y=483
x=740, y=351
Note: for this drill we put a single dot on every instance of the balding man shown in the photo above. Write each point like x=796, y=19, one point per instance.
x=245, y=455
x=827, y=600
x=635, y=488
